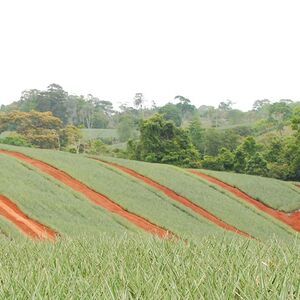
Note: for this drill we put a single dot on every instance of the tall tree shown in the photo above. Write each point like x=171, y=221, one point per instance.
x=138, y=102
x=161, y=141
x=171, y=112
x=184, y=106
x=196, y=133
x=54, y=100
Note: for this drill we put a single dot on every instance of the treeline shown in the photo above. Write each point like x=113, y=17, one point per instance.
x=38, y=129
x=87, y=112
x=262, y=141
x=234, y=149
x=92, y=112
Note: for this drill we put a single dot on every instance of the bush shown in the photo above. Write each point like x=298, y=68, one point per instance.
x=161, y=141
x=211, y=163
x=257, y=165
x=16, y=140
x=96, y=147
x=279, y=171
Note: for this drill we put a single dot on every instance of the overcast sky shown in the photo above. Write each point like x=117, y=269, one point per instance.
x=207, y=51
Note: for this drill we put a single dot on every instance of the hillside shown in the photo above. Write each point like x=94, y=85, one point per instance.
x=61, y=190
x=128, y=229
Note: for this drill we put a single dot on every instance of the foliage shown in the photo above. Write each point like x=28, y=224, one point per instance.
x=215, y=139
x=221, y=127
x=172, y=113
x=74, y=110
x=226, y=159
x=196, y=133
x=162, y=141
x=138, y=268
x=96, y=147
x=185, y=107
x=257, y=165
x=126, y=128
x=70, y=136
x=38, y=129
x=16, y=140
x=211, y=163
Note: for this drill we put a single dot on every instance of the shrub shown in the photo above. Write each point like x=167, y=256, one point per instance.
x=16, y=140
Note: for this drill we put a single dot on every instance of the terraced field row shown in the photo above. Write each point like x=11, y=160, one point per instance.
x=58, y=214
x=75, y=194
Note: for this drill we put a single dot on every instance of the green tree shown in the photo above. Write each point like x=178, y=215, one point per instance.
x=240, y=160
x=249, y=146
x=126, y=128
x=260, y=105
x=171, y=112
x=161, y=141
x=257, y=165
x=226, y=159
x=54, y=100
x=70, y=137
x=185, y=107
x=196, y=133
x=39, y=129
x=279, y=112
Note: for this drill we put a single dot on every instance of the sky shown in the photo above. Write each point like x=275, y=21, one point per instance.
x=206, y=51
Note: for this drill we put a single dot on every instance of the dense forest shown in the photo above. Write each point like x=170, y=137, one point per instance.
x=262, y=141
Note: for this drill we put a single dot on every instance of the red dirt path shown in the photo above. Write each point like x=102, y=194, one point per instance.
x=293, y=219
x=94, y=196
x=171, y=194
x=29, y=227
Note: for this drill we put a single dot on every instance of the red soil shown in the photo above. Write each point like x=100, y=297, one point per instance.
x=29, y=227
x=94, y=196
x=293, y=219
x=171, y=194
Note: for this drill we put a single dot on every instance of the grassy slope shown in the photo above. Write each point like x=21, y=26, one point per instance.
x=226, y=207
x=89, y=134
x=132, y=195
x=275, y=193
x=8, y=230
x=54, y=205
x=106, y=268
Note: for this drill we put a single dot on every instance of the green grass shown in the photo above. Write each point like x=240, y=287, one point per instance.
x=141, y=268
x=134, y=196
x=225, y=206
x=8, y=230
x=5, y=134
x=278, y=194
x=121, y=146
x=53, y=204
x=91, y=134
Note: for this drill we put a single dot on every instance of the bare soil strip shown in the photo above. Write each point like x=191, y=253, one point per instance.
x=94, y=196
x=29, y=227
x=171, y=194
x=292, y=219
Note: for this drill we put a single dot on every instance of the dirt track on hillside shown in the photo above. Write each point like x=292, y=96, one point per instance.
x=293, y=219
x=171, y=194
x=29, y=227
x=94, y=196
